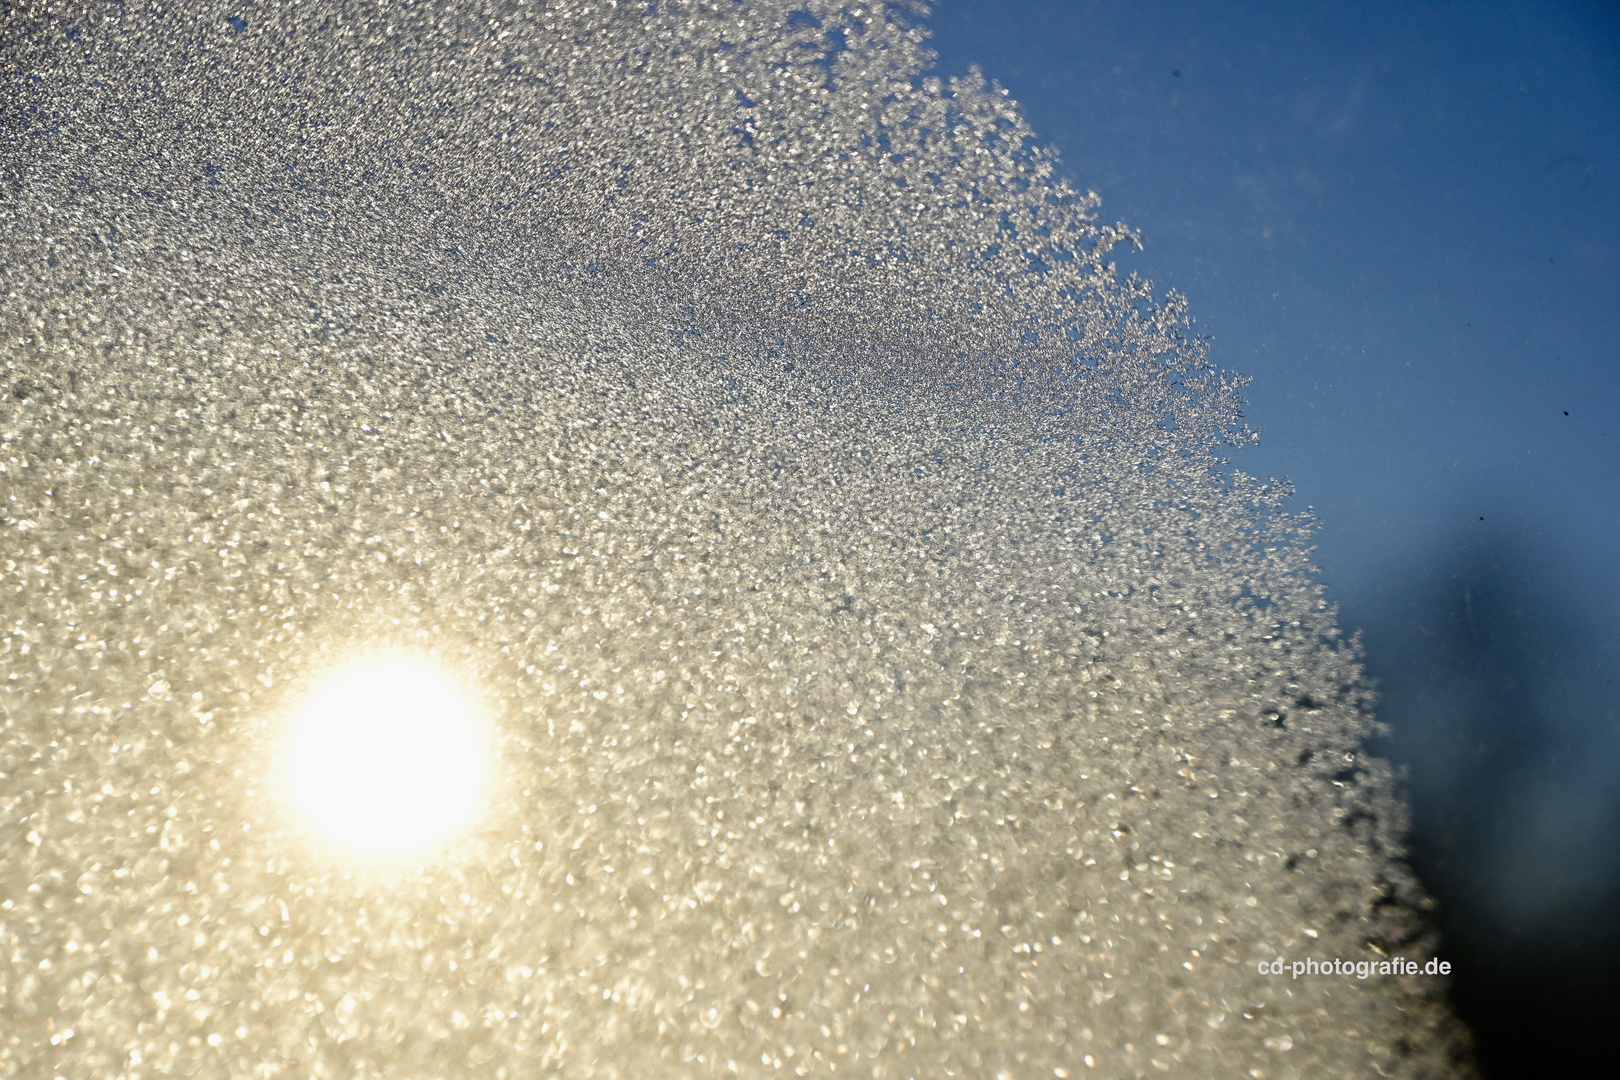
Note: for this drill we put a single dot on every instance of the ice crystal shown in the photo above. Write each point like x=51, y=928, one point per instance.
x=887, y=680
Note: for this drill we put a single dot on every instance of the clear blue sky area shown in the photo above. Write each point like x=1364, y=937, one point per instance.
x=1403, y=220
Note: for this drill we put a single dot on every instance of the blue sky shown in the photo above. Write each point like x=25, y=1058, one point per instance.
x=1403, y=220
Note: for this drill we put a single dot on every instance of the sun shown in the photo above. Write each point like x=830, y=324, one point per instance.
x=388, y=757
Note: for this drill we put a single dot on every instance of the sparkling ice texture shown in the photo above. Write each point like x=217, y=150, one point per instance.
x=882, y=677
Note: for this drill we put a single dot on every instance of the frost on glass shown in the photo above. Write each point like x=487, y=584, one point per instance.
x=885, y=680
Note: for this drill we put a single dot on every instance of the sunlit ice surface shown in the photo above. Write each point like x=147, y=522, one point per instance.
x=387, y=758
x=884, y=686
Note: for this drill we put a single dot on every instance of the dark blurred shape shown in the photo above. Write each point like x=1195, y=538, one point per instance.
x=1576, y=171
x=1516, y=832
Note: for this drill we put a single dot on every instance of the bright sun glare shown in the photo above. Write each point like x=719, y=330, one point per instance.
x=388, y=758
